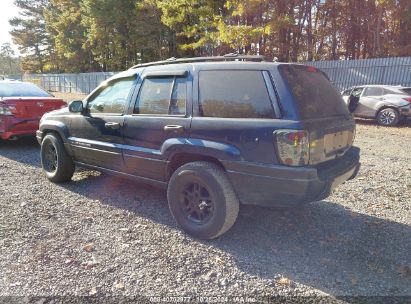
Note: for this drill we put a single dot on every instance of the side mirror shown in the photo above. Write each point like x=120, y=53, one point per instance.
x=76, y=106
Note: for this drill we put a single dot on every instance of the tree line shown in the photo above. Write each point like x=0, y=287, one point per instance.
x=112, y=35
x=9, y=63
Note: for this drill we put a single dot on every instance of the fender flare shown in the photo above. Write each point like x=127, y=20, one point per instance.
x=200, y=148
x=57, y=126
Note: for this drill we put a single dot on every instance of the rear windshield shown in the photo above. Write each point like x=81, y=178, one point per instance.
x=313, y=93
x=19, y=89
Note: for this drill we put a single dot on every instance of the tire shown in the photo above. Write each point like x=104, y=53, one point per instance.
x=213, y=197
x=388, y=117
x=56, y=163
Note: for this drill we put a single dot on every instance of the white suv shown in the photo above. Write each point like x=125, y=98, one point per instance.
x=387, y=104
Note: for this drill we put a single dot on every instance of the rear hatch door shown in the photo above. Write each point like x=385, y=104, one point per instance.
x=322, y=111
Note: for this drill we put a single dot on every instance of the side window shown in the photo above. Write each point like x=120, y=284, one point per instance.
x=407, y=91
x=373, y=91
x=178, y=98
x=162, y=96
x=234, y=94
x=387, y=92
x=111, y=99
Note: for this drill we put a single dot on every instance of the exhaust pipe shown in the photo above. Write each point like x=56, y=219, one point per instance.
x=13, y=138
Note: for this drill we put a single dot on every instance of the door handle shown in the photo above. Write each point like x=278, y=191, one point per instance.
x=174, y=128
x=112, y=125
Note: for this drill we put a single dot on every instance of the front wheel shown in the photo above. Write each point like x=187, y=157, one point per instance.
x=57, y=164
x=388, y=117
x=202, y=200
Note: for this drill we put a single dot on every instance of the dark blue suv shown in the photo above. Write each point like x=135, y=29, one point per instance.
x=214, y=131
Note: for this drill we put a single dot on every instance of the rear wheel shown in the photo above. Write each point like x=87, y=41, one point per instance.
x=57, y=164
x=388, y=117
x=202, y=200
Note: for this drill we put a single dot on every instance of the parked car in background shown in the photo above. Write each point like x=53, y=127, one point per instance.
x=215, y=134
x=387, y=104
x=21, y=107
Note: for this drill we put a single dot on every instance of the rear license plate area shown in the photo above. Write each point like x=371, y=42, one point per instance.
x=337, y=142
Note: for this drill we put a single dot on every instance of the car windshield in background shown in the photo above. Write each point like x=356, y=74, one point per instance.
x=314, y=94
x=19, y=89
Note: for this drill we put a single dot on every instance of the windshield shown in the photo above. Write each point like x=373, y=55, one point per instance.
x=21, y=89
x=313, y=93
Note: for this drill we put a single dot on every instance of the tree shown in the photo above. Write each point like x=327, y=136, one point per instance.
x=193, y=25
x=9, y=65
x=29, y=33
x=119, y=30
x=68, y=34
x=111, y=35
x=154, y=40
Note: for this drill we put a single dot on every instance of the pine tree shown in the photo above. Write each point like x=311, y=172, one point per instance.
x=29, y=33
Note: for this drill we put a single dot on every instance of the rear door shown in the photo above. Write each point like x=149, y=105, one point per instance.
x=161, y=113
x=97, y=134
x=369, y=100
x=236, y=112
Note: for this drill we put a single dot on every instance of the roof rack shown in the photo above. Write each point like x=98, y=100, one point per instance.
x=226, y=57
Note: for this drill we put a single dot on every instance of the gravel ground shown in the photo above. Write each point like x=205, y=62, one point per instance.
x=101, y=235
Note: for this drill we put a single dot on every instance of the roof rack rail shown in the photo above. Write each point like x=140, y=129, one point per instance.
x=226, y=57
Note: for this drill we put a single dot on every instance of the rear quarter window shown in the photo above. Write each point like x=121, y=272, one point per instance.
x=313, y=93
x=234, y=94
x=407, y=91
x=373, y=91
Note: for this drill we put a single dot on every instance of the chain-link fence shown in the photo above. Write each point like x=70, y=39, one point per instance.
x=347, y=73
x=68, y=83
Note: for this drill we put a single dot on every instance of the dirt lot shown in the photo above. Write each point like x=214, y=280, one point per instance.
x=100, y=235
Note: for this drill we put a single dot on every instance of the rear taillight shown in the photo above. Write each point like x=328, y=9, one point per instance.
x=408, y=99
x=6, y=110
x=292, y=147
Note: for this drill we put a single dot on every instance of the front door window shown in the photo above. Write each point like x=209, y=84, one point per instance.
x=111, y=99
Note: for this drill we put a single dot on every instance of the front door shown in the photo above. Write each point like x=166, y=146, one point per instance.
x=97, y=135
x=159, y=116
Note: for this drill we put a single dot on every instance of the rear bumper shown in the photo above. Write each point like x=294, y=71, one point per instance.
x=274, y=185
x=11, y=126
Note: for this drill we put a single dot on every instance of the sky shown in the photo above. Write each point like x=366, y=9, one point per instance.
x=7, y=11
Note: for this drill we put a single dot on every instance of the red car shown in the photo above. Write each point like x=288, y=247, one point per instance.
x=22, y=105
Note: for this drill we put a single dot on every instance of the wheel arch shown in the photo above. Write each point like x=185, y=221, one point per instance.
x=56, y=126
x=182, y=158
x=386, y=107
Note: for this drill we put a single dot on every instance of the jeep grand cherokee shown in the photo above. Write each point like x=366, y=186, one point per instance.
x=217, y=132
